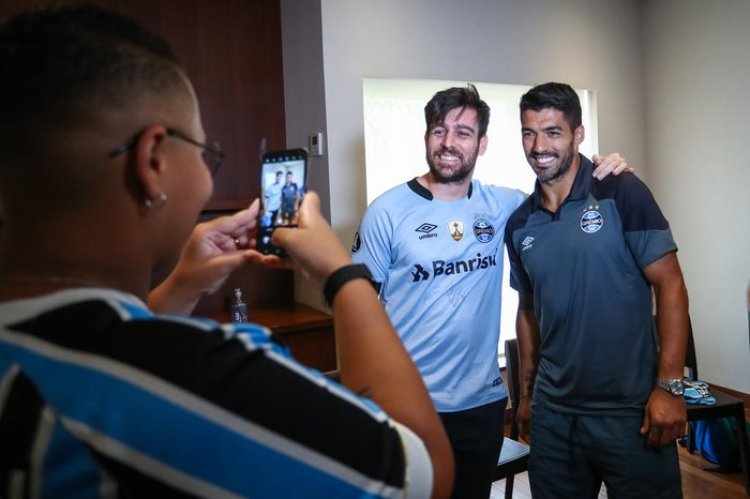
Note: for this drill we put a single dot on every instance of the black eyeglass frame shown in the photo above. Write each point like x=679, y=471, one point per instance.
x=214, y=149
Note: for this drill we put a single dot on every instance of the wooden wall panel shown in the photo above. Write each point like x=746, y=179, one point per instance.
x=232, y=52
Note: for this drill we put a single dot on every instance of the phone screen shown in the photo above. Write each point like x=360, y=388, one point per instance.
x=283, y=180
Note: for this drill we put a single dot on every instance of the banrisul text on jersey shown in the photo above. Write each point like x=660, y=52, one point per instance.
x=443, y=268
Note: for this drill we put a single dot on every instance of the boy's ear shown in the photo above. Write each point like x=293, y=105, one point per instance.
x=150, y=160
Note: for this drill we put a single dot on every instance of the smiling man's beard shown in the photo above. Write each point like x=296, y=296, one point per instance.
x=464, y=171
x=550, y=176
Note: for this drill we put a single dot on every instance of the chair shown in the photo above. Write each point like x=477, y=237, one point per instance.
x=726, y=406
x=514, y=457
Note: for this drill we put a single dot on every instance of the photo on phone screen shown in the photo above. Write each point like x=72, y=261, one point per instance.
x=283, y=178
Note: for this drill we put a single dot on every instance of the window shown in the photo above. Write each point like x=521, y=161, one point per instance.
x=395, y=153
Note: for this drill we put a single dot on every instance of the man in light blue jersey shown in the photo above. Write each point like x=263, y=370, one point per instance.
x=272, y=199
x=434, y=246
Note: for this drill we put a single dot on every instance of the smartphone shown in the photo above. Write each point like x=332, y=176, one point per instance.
x=283, y=183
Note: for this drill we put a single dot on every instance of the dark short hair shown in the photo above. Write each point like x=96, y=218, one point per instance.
x=560, y=96
x=59, y=64
x=447, y=100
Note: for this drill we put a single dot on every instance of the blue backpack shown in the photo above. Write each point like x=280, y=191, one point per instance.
x=716, y=441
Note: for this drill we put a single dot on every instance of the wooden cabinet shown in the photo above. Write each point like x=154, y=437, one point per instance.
x=307, y=332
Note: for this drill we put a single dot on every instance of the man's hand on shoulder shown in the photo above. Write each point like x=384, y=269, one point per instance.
x=613, y=163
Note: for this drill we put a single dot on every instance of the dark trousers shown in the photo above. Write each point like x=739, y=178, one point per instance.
x=476, y=436
x=571, y=455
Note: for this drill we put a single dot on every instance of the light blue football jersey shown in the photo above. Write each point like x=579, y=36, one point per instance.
x=440, y=265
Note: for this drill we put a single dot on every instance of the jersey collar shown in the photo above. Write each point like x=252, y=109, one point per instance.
x=424, y=192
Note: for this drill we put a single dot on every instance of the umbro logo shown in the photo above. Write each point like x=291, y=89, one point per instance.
x=426, y=230
x=527, y=243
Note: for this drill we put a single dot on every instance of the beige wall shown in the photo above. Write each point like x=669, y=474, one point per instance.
x=697, y=74
x=588, y=44
x=305, y=104
x=632, y=53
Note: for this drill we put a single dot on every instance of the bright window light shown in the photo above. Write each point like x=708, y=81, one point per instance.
x=395, y=151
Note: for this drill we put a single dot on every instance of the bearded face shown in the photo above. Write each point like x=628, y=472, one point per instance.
x=452, y=147
x=549, y=143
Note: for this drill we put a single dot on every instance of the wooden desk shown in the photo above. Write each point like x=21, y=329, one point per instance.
x=306, y=331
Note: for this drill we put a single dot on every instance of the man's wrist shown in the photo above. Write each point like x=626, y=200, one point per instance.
x=674, y=386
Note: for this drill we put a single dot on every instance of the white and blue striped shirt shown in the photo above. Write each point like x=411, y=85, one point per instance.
x=101, y=398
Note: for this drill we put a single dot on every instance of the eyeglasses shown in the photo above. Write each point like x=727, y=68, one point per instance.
x=212, y=154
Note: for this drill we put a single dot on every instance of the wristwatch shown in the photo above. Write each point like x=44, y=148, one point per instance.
x=674, y=386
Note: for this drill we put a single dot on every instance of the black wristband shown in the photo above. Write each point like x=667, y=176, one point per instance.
x=343, y=275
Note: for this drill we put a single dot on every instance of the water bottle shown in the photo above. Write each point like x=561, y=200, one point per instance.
x=239, y=307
